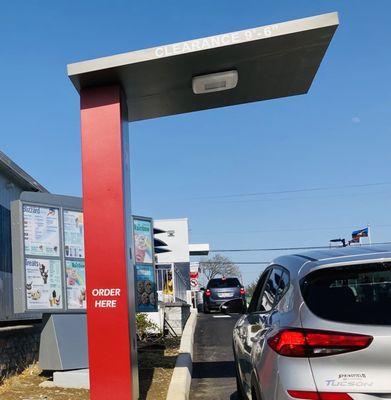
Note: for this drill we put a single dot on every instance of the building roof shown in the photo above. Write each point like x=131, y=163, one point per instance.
x=18, y=175
x=271, y=62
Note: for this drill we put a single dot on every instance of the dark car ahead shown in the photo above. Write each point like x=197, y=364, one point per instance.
x=219, y=290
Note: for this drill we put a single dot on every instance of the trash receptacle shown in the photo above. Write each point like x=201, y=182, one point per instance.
x=199, y=301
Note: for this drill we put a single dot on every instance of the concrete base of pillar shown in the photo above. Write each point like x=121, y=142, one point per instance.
x=77, y=379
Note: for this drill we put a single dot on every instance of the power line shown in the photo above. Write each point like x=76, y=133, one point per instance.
x=314, y=189
x=235, y=262
x=274, y=249
x=335, y=228
x=323, y=196
x=287, y=248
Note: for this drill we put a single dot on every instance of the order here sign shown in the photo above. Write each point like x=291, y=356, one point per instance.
x=106, y=298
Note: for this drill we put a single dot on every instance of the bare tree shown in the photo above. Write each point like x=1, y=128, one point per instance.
x=219, y=265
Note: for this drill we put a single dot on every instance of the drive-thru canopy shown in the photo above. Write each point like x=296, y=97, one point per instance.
x=255, y=64
x=272, y=61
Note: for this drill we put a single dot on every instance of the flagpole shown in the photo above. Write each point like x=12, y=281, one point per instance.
x=369, y=234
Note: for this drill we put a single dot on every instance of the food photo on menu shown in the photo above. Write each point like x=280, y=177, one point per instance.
x=41, y=231
x=43, y=284
x=74, y=234
x=76, y=286
x=143, y=241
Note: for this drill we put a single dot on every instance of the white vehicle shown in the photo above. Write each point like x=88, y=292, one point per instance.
x=318, y=327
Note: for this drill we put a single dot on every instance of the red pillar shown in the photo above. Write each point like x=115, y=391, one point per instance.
x=109, y=268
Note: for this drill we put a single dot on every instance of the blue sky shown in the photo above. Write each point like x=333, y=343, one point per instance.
x=335, y=137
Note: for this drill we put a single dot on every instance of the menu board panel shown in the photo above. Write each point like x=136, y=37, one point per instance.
x=76, y=284
x=74, y=234
x=143, y=237
x=41, y=231
x=146, y=288
x=48, y=254
x=43, y=284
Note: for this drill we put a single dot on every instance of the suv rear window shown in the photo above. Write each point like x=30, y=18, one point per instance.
x=359, y=294
x=223, y=283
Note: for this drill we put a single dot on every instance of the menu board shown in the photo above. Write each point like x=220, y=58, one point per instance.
x=41, y=231
x=48, y=251
x=76, y=284
x=146, y=288
x=143, y=241
x=43, y=284
x=74, y=234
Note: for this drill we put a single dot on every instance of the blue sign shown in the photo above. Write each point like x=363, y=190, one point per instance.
x=146, y=295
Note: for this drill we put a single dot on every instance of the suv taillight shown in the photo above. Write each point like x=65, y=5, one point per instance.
x=207, y=292
x=298, y=342
x=299, y=394
x=242, y=291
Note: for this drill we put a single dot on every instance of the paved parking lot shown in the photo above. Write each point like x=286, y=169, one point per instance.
x=213, y=367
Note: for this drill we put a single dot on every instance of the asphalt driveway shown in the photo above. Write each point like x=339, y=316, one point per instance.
x=213, y=367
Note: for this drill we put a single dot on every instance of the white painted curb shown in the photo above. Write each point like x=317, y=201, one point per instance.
x=179, y=388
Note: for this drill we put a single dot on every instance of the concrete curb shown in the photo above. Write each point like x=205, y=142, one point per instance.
x=179, y=388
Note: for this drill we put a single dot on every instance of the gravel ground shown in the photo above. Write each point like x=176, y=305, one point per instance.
x=156, y=364
x=155, y=369
x=26, y=387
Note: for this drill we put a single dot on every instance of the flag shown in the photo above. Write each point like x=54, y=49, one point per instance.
x=354, y=240
x=356, y=235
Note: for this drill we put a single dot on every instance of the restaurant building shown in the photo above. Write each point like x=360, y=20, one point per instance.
x=13, y=181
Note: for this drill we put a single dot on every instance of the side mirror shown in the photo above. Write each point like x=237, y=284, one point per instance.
x=235, y=306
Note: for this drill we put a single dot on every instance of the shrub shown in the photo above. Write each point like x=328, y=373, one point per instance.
x=145, y=327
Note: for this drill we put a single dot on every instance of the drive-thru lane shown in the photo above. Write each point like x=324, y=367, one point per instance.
x=213, y=366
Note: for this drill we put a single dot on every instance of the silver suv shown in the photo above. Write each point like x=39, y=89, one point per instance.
x=318, y=327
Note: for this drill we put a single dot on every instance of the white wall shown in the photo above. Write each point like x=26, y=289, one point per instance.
x=176, y=237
